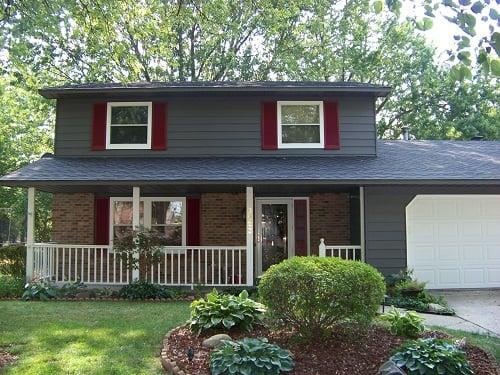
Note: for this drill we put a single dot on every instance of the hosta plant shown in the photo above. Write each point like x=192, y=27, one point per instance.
x=225, y=311
x=431, y=357
x=407, y=324
x=39, y=289
x=250, y=357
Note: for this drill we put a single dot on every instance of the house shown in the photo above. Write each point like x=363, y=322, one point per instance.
x=241, y=175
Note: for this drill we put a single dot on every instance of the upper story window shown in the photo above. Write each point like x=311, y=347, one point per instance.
x=128, y=125
x=300, y=124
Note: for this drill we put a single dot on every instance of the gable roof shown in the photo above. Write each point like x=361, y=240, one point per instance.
x=399, y=162
x=211, y=87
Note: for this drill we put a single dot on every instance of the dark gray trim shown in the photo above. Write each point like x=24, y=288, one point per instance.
x=210, y=87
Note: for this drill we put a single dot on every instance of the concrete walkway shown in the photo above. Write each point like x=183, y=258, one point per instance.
x=476, y=311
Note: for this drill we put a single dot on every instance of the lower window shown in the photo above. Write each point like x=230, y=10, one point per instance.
x=164, y=215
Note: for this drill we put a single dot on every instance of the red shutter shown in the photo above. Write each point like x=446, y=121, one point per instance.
x=159, y=126
x=101, y=221
x=269, y=125
x=300, y=220
x=193, y=215
x=331, y=114
x=99, y=127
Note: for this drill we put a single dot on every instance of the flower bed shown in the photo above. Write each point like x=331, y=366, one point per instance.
x=339, y=354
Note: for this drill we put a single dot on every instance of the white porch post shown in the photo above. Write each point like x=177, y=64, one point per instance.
x=322, y=248
x=30, y=233
x=136, y=193
x=362, y=221
x=249, y=228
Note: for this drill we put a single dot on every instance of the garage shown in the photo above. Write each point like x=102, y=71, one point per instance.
x=453, y=241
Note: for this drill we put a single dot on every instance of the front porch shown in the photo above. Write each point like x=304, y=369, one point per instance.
x=219, y=236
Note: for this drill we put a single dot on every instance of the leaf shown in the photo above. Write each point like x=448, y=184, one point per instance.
x=378, y=6
x=477, y=7
x=427, y=23
x=464, y=2
x=495, y=42
x=493, y=14
x=450, y=3
x=495, y=67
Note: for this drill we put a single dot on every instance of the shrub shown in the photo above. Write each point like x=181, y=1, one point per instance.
x=313, y=294
x=250, y=356
x=11, y=286
x=407, y=324
x=13, y=260
x=39, y=290
x=225, y=311
x=71, y=289
x=144, y=290
x=410, y=286
x=431, y=357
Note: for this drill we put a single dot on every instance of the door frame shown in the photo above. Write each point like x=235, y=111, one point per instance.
x=258, y=227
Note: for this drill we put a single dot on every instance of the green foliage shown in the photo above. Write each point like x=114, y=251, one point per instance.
x=225, y=311
x=407, y=324
x=312, y=294
x=71, y=289
x=141, y=290
x=413, y=303
x=11, y=286
x=431, y=357
x=409, y=286
x=403, y=275
x=140, y=250
x=13, y=260
x=250, y=357
x=39, y=290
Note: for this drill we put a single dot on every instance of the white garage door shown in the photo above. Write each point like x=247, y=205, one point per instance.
x=453, y=241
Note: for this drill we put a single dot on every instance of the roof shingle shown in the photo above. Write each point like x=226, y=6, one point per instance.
x=397, y=162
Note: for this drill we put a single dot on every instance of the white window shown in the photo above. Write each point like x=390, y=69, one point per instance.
x=165, y=215
x=300, y=124
x=128, y=125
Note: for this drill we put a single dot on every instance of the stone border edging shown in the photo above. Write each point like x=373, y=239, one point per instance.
x=168, y=365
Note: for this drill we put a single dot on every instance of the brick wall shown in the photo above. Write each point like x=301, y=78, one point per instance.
x=73, y=218
x=222, y=221
x=329, y=219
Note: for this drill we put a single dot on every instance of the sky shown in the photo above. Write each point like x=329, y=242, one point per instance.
x=442, y=32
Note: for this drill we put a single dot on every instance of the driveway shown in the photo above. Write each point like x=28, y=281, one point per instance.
x=476, y=311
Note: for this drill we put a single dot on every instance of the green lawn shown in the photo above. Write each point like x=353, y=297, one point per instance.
x=87, y=337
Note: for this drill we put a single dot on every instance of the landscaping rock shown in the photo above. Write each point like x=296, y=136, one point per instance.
x=216, y=340
x=437, y=308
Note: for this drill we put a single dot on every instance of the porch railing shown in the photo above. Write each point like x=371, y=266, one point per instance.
x=178, y=266
x=347, y=252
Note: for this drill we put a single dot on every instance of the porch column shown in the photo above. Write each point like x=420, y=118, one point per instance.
x=249, y=226
x=362, y=221
x=136, y=193
x=30, y=233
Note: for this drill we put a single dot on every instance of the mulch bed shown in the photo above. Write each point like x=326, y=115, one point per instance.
x=6, y=358
x=340, y=354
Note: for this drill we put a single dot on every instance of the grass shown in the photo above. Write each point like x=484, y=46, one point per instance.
x=86, y=337
x=489, y=343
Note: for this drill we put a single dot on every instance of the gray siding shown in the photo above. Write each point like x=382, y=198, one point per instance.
x=385, y=220
x=214, y=126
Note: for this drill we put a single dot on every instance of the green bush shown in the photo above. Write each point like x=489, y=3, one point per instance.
x=431, y=357
x=39, y=290
x=13, y=260
x=407, y=324
x=313, y=294
x=225, y=311
x=11, y=286
x=140, y=290
x=250, y=356
x=71, y=289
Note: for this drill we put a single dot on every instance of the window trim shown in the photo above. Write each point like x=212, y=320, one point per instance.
x=321, y=124
x=147, y=211
x=129, y=146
